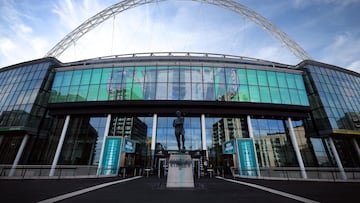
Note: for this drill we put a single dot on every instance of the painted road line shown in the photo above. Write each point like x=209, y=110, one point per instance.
x=277, y=192
x=89, y=189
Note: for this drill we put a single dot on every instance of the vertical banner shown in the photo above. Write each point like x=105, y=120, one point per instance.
x=247, y=157
x=129, y=146
x=111, y=156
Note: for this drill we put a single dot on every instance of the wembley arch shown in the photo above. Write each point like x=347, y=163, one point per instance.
x=231, y=5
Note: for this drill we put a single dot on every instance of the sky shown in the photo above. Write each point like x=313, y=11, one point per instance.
x=328, y=30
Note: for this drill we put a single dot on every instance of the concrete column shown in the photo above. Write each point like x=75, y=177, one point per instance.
x=153, y=139
x=59, y=147
x=251, y=133
x=356, y=146
x=106, y=132
x=296, y=149
x=337, y=159
x=1, y=139
x=18, y=155
x=203, y=134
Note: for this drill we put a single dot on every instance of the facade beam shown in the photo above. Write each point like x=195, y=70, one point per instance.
x=337, y=159
x=356, y=146
x=18, y=155
x=59, y=147
x=203, y=134
x=296, y=149
x=153, y=139
x=106, y=132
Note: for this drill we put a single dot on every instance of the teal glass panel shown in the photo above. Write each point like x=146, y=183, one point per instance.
x=265, y=95
x=303, y=98
x=252, y=77
x=254, y=93
x=275, y=95
x=83, y=91
x=93, y=92
x=73, y=92
x=244, y=93
x=220, y=91
x=76, y=79
x=58, y=79
x=117, y=76
x=103, y=94
x=196, y=74
x=290, y=80
x=294, y=96
x=63, y=94
x=285, y=96
x=95, y=76
x=137, y=91
x=139, y=74
x=281, y=79
x=232, y=93
x=299, y=82
x=85, y=79
x=262, y=77
x=67, y=78
x=272, y=79
x=106, y=74
x=128, y=75
x=219, y=75
x=242, y=76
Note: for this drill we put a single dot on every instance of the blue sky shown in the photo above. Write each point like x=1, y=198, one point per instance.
x=328, y=30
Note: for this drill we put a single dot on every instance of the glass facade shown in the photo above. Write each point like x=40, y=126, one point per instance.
x=179, y=83
x=32, y=94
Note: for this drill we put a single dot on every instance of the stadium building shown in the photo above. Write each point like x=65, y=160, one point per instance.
x=244, y=116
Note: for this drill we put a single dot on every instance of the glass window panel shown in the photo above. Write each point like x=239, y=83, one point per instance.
x=208, y=75
x=73, y=93
x=185, y=74
x=196, y=91
x=161, y=91
x=262, y=77
x=285, y=96
x=58, y=79
x=265, y=95
x=137, y=91
x=254, y=94
x=290, y=80
x=187, y=88
x=93, y=92
x=303, y=97
x=244, y=93
x=242, y=76
x=299, y=82
x=281, y=79
x=96, y=76
x=219, y=75
x=139, y=74
x=86, y=77
x=106, y=75
x=209, y=92
x=103, y=93
x=128, y=75
x=252, y=78
x=162, y=74
x=196, y=74
x=275, y=95
x=83, y=91
x=294, y=96
x=76, y=77
x=232, y=93
x=67, y=78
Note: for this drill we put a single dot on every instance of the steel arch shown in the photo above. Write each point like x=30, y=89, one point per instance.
x=117, y=8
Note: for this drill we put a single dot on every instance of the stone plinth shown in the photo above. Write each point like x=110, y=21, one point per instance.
x=180, y=173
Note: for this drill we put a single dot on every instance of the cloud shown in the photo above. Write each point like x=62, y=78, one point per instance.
x=306, y=3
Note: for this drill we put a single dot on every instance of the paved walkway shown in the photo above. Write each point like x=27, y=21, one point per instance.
x=153, y=189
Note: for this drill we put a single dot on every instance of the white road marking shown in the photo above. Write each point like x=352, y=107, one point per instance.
x=89, y=189
x=277, y=192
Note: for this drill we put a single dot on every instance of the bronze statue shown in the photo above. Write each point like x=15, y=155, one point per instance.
x=178, y=124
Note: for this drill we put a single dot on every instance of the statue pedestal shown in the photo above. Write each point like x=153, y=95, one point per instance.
x=180, y=173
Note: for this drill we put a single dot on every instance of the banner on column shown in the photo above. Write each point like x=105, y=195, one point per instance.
x=247, y=157
x=111, y=156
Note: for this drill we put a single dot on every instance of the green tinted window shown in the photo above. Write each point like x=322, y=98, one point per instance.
x=262, y=78
x=299, y=82
x=272, y=79
x=86, y=77
x=106, y=74
x=58, y=79
x=83, y=91
x=303, y=97
x=294, y=96
x=76, y=77
x=281, y=79
x=265, y=95
x=103, y=93
x=285, y=96
x=93, y=92
x=67, y=78
x=252, y=78
x=254, y=94
x=95, y=76
x=242, y=76
x=290, y=80
x=275, y=95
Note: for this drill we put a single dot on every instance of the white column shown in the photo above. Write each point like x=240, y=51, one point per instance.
x=59, y=147
x=337, y=159
x=18, y=155
x=251, y=133
x=357, y=149
x=106, y=132
x=153, y=139
x=296, y=149
x=203, y=133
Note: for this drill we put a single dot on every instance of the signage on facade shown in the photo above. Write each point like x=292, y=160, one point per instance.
x=247, y=157
x=111, y=156
x=129, y=146
x=229, y=147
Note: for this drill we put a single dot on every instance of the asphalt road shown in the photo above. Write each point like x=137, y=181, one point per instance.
x=153, y=189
